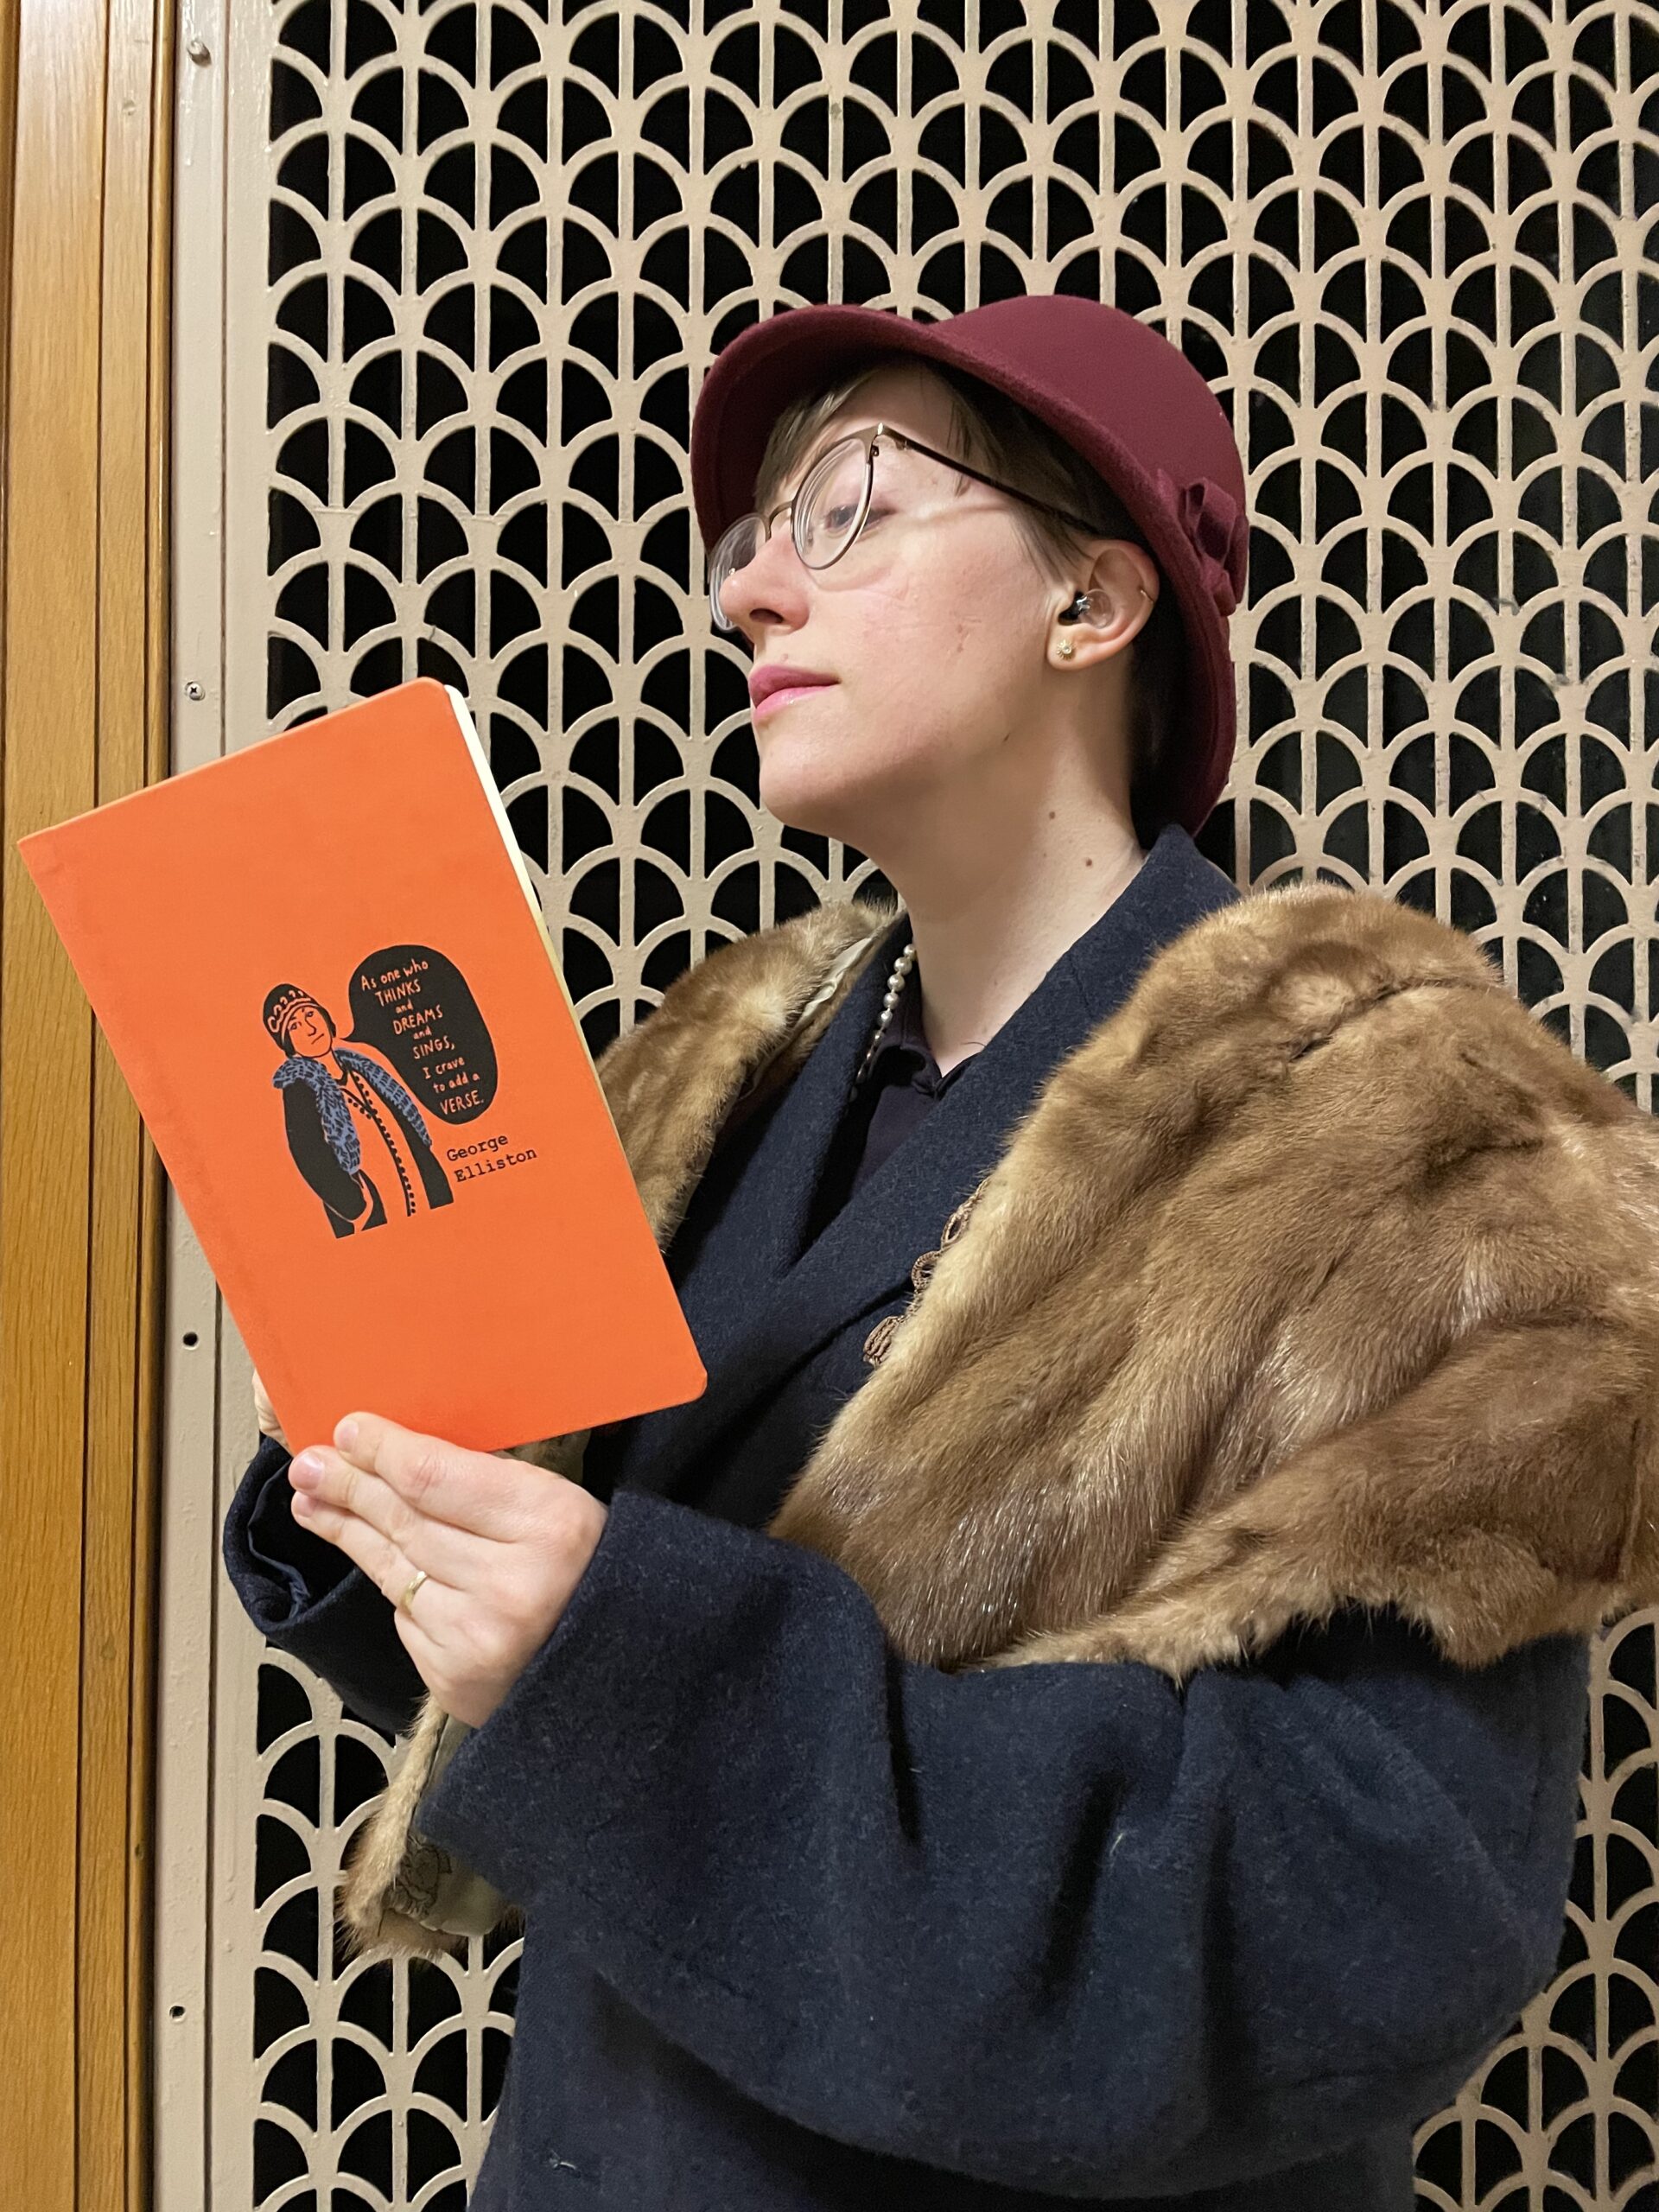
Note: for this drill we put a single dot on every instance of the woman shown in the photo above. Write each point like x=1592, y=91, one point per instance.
x=336, y=1101
x=1088, y=1704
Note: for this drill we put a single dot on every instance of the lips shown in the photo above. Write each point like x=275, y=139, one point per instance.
x=776, y=677
x=775, y=702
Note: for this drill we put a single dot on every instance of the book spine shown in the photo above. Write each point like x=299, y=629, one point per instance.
x=235, y=1268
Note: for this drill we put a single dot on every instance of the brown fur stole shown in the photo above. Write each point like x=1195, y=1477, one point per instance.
x=1320, y=1273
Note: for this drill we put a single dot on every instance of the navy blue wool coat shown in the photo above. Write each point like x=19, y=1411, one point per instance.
x=812, y=1926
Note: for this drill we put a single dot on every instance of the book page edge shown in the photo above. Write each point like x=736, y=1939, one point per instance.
x=481, y=767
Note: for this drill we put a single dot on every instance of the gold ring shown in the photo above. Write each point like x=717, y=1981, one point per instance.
x=408, y=1598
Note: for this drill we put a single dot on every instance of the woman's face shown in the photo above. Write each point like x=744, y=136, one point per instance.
x=933, y=626
x=310, y=1033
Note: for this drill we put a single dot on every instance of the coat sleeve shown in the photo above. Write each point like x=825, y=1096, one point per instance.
x=305, y=1597
x=1059, y=1927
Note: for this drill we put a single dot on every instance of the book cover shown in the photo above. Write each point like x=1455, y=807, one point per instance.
x=325, y=974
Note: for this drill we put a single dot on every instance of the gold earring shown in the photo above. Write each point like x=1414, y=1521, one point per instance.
x=1067, y=650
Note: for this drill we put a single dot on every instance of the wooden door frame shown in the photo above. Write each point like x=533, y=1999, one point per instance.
x=85, y=125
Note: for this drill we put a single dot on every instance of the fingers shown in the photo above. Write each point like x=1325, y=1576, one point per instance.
x=375, y=1527
x=384, y=1536
x=503, y=1500
x=389, y=1567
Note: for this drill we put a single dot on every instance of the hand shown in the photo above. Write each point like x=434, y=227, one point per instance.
x=265, y=1414
x=503, y=1545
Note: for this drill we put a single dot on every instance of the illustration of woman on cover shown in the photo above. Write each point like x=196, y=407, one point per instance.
x=343, y=1112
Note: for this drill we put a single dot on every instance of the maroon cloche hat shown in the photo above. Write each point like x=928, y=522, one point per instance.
x=1115, y=389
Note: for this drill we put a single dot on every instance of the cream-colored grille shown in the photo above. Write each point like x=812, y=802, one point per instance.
x=466, y=246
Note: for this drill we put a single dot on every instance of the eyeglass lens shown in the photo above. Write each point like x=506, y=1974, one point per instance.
x=829, y=508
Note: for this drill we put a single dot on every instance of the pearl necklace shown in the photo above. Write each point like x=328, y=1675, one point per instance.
x=901, y=968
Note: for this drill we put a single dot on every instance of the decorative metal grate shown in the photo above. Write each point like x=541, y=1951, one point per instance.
x=479, y=254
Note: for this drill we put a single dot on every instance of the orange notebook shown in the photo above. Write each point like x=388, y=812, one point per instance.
x=327, y=979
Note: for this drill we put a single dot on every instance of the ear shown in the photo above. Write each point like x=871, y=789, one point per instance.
x=1122, y=584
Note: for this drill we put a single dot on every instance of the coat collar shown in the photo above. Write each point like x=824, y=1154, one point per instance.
x=759, y=1306
x=1316, y=1272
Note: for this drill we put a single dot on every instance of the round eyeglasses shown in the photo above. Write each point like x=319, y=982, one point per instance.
x=830, y=508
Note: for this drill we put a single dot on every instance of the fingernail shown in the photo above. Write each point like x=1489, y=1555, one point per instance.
x=346, y=1434
x=307, y=1469
x=301, y=1506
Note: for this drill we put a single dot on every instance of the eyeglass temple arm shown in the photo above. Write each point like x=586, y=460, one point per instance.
x=1047, y=507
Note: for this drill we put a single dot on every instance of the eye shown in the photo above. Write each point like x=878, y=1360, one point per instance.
x=839, y=517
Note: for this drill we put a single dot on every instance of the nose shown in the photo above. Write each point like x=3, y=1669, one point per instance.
x=773, y=586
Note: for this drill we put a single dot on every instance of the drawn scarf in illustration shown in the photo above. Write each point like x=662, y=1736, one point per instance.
x=335, y=1115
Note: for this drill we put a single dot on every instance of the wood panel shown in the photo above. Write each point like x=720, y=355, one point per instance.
x=84, y=192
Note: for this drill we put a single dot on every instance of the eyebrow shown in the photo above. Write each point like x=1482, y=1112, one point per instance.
x=829, y=438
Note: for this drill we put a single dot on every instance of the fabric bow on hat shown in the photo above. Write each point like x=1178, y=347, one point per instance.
x=1218, y=530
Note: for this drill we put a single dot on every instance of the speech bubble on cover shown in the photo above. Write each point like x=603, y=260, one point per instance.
x=415, y=1008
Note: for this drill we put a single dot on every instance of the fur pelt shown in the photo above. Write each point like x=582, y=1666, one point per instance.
x=1319, y=1273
